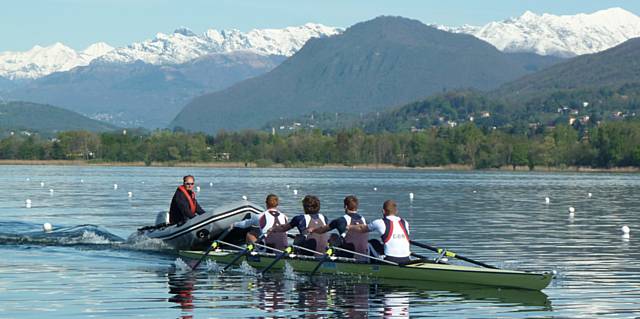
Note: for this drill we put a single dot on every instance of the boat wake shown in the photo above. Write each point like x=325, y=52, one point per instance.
x=22, y=233
x=26, y=233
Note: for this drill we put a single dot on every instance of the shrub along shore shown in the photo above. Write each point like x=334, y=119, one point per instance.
x=611, y=146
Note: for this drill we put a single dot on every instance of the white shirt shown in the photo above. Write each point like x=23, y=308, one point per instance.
x=254, y=221
x=379, y=226
x=398, y=244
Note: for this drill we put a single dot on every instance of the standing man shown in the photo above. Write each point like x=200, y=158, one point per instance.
x=184, y=205
x=394, y=231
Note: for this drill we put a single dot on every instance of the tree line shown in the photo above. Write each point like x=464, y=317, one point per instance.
x=610, y=144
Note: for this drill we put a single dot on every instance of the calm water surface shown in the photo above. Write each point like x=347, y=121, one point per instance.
x=87, y=268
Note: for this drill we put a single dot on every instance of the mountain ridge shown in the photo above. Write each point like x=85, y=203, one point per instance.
x=560, y=35
x=379, y=63
x=47, y=119
x=178, y=47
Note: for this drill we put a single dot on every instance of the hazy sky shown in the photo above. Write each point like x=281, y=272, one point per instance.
x=78, y=23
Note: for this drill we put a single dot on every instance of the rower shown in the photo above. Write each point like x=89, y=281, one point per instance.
x=394, y=231
x=184, y=205
x=351, y=239
x=261, y=224
x=311, y=219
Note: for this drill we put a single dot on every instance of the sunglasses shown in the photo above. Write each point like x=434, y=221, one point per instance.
x=189, y=184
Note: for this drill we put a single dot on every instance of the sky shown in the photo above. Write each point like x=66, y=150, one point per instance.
x=79, y=23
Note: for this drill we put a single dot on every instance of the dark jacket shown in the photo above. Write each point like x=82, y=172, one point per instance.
x=180, y=212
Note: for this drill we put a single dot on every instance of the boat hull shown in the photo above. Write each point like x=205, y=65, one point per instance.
x=423, y=271
x=198, y=231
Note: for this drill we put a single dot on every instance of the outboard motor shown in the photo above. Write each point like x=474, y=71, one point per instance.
x=162, y=219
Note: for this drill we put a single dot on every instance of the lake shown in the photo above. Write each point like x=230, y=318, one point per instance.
x=87, y=268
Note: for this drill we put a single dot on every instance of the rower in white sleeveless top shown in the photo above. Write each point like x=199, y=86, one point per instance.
x=311, y=219
x=352, y=240
x=394, y=231
x=262, y=223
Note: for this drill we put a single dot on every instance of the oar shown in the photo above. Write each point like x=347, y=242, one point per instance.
x=367, y=256
x=214, y=245
x=451, y=254
x=286, y=252
x=352, y=252
x=240, y=255
x=327, y=256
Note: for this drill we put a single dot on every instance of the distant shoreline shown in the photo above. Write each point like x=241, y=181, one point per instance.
x=453, y=167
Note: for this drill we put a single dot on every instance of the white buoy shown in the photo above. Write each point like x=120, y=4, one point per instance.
x=547, y=200
x=411, y=196
x=288, y=186
x=375, y=189
x=115, y=186
x=82, y=181
x=295, y=192
x=198, y=189
x=572, y=210
x=130, y=194
x=27, y=203
x=625, y=230
x=46, y=227
x=28, y=179
x=210, y=184
x=475, y=191
x=244, y=197
x=41, y=184
x=589, y=195
x=51, y=191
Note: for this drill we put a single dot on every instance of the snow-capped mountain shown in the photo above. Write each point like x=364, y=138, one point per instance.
x=41, y=61
x=565, y=35
x=183, y=45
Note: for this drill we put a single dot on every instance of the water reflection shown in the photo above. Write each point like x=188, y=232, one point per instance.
x=275, y=296
x=181, y=288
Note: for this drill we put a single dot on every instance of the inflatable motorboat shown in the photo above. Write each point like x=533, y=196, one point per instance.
x=198, y=232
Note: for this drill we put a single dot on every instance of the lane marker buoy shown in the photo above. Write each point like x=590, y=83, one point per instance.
x=46, y=227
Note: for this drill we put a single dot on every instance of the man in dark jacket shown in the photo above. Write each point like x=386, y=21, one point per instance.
x=184, y=205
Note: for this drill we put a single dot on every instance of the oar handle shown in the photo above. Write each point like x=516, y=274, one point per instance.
x=451, y=254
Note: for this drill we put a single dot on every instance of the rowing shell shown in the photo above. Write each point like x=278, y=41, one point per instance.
x=421, y=271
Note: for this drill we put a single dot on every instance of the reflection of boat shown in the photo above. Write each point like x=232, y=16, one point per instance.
x=198, y=231
x=524, y=297
x=419, y=271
